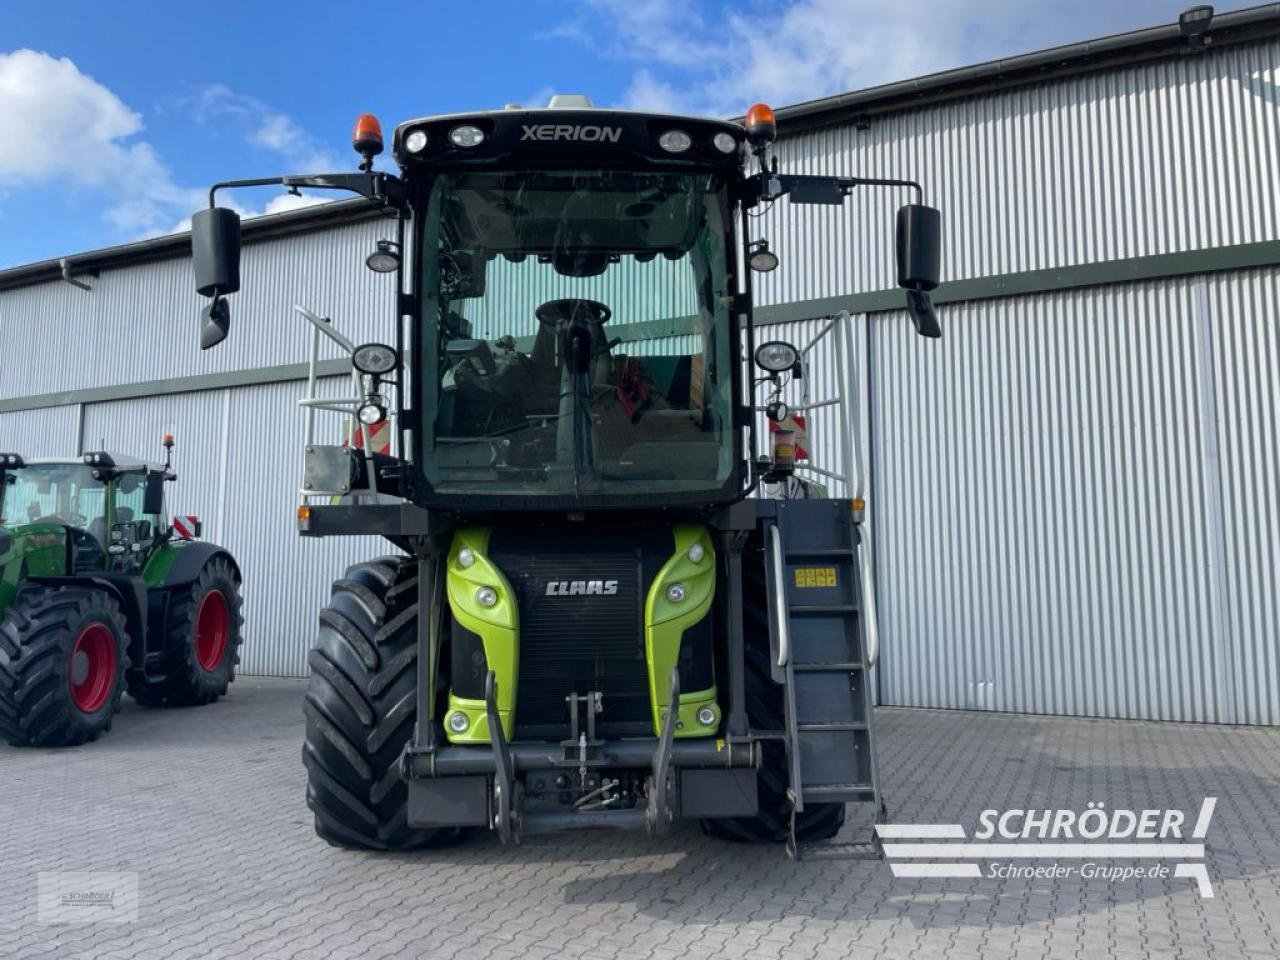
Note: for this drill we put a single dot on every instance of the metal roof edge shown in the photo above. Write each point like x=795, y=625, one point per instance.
x=1166, y=40
x=179, y=244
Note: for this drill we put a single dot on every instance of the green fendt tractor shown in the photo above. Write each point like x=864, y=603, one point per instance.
x=594, y=621
x=98, y=594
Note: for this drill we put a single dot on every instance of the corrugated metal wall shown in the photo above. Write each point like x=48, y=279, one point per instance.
x=141, y=322
x=51, y=432
x=1160, y=157
x=1075, y=499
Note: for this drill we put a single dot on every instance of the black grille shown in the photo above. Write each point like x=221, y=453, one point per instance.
x=582, y=637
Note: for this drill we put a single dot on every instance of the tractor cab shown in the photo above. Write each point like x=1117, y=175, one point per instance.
x=109, y=507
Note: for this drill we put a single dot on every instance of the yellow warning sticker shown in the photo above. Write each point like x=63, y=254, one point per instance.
x=815, y=577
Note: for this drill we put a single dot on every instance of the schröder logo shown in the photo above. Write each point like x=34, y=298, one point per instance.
x=1082, y=838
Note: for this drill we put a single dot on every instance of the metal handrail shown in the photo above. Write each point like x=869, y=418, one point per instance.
x=780, y=597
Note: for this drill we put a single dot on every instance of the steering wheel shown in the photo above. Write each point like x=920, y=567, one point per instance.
x=554, y=312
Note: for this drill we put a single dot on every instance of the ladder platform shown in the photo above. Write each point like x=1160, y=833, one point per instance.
x=835, y=850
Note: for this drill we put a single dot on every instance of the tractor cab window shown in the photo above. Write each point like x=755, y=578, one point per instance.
x=60, y=493
x=582, y=342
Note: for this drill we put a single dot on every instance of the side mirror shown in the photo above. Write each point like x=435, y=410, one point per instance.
x=153, y=496
x=215, y=251
x=215, y=323
x=919, y=263
x=215, y=260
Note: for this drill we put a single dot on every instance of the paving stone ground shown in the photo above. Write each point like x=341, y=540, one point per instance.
x=206, y=806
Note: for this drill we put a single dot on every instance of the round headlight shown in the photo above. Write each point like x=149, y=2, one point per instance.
x=375, y=358
x=372, y=412
x=707, y=716
x=466, y=557
x=676, y=593
x=776, y=356
x=724, y=142
x=416, y=141
x=466, y=136
x=675, y=141
x=458, y=722
x=487, y=597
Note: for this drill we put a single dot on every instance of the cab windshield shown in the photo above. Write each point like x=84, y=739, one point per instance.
x=583, y=334
x=64, y=493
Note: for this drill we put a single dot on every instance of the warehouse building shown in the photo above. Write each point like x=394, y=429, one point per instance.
x=1074, y=496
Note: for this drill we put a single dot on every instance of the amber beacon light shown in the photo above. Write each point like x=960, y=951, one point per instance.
x=762, y=125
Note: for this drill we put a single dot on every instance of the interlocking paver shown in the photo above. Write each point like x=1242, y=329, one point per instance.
x=206, y=806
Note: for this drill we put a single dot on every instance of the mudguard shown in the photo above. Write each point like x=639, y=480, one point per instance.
x=181, y=561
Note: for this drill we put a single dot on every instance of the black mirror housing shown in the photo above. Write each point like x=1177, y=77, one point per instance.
x=215, y=323
x=919, y=247
x=153, y=495
x=215, y=251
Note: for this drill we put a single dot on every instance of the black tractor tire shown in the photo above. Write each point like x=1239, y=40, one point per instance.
x=765, y=707
x=63, y=657
x=360, y=710
x=202, y=640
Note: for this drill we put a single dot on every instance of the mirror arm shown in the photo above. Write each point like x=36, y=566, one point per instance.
x=804, y=188
x=381, y=188
x=848, y=184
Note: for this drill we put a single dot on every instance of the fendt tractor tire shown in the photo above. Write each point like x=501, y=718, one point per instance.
x=818, y=821
x=63, y=656
x=202, y=638
x=360, y=710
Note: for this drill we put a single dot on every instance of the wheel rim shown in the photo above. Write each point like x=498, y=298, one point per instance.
x=92, y=673
x=213, y=630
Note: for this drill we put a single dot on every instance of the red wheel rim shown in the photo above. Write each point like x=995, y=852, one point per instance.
x=213, y=630
x=92, y=673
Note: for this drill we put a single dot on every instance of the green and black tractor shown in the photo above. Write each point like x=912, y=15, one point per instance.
x=593, y=618
x=99, y=594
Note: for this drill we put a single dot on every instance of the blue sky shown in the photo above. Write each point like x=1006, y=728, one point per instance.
x=118, y=115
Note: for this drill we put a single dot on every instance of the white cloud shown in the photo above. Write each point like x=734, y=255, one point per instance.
x=268, y=129
x=63, y=127
x=719, y=63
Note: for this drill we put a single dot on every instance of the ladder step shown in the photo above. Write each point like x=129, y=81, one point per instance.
x=831, y=727
x=838, y=792
x=789, y=553
x=840, y=667
x=834, y=850
x=806, y=608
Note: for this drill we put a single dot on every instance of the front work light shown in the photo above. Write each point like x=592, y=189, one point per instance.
x=761, y=258
x=374, y=358
x=724, y=142
x=385, y=257
x=416, y=141
x=675, y=141
x=466, y=136
x=372, y=412
x=776, y=356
